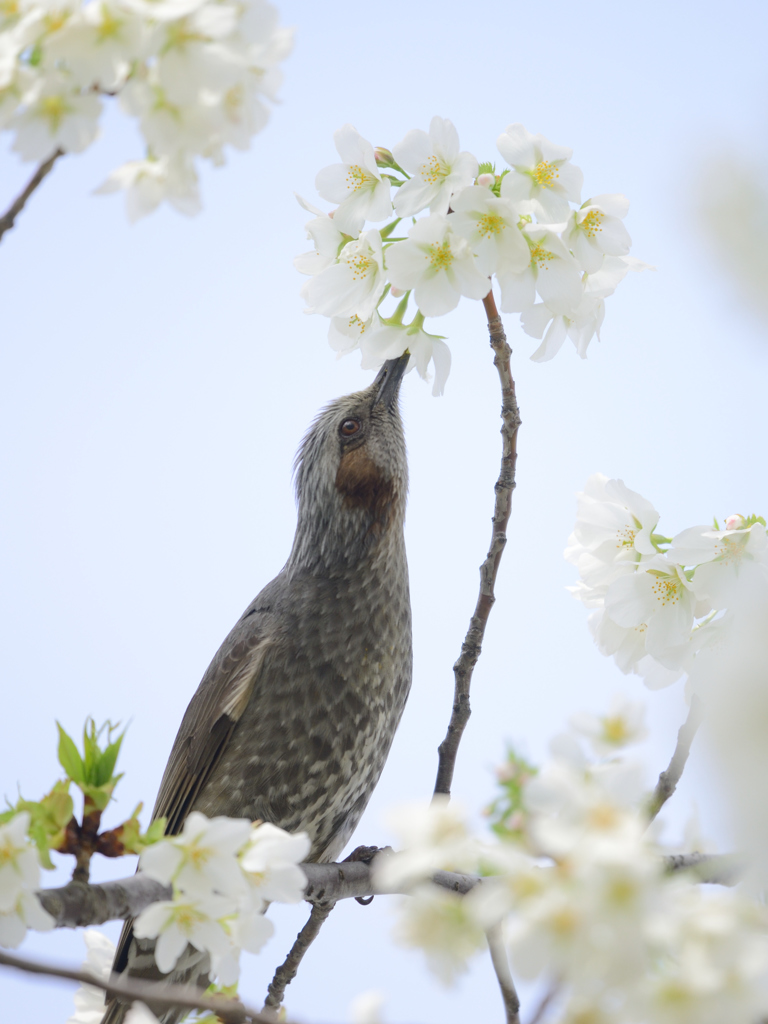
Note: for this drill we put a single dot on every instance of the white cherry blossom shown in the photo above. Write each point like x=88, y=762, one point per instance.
x=622, y=726
x=26, y=912
x=437, y=167
x=439, y=923
x=140, y=1014
x=366, y=1008
x=596, y=229
x=98, y=44
x=55, y=116
x=162, y=10
x=355, y=184
x=613, y=523
x=540, y=322
x=731, y=564
x=389, y=341
x=354, y=284
x=327, y=238
x=147, y=183
x=491, y=226
x=437, y=264
x=660, y=596
x=271, y=862
x=433, y=837
x=201, y=859
x=174, y=923
x=551, y=270
x=541, y=172
x=19, y=864
x=89, y=1000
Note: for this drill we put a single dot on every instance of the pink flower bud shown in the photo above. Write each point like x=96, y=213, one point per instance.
x=735, y=522
x=383, y=157
x=486, y=180
x=396, y=292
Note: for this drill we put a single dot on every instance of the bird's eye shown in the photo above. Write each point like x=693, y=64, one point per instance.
x=349, y=427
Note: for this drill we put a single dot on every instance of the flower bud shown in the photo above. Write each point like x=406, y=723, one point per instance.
x=396, y=292
x=486, y=180
x=383, y=157
x=735, y=522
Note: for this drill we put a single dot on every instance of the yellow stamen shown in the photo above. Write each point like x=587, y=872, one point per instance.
x=592, y=223
x=540, y=257
x=431, y=171
x=441, y=256
x=53, y=109
x=357, y=178
x=544, y=174
x=490, y=224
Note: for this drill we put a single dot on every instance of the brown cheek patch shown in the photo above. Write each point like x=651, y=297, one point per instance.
x=363, y=485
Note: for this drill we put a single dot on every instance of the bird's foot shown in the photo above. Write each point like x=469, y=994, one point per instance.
x=363, y=853
x=366, y=855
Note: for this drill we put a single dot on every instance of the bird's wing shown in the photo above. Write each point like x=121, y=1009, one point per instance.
x=204, y=733
x=209, y=721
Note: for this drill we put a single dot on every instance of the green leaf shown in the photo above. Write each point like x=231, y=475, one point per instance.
x=155, y=831
x=107, y=761
x=69, y=757
x=486, y=167
x=100, y=795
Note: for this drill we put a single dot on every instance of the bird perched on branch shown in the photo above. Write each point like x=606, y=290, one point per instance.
x=295, y=715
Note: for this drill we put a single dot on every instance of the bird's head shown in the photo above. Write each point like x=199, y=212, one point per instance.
x=352, y=474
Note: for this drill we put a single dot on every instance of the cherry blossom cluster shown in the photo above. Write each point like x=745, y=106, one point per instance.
x=194, y=74
x=19, y=878
x=224, y=872
x=518, y=226
x=664, y=606
x=583, y=899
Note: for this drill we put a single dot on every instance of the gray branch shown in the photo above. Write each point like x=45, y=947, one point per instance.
x=9, y=217
x=669, y=779
x=502, y=509
x=503, y=975
x=709, y=868
x=79, y=904
x=287, y=971
x=158, y=993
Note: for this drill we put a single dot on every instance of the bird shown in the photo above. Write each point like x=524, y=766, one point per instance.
x=295, y=715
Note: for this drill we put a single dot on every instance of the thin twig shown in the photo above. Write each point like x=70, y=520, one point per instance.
x=543, y=1006
x=669, y=779
x=286, y=972
x=10, y=215
x=158, y=994
x=503, y=974
x=472, y=646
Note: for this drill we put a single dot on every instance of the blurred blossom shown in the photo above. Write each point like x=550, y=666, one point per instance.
x=366, y=1008
x=89, y=1001
x=438, y=923
x=194, y=73
x=622, y=726
x=434, y=837
x=733, y=214
x=19, y=878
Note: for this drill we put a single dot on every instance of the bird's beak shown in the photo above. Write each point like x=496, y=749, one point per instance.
x=387, y=383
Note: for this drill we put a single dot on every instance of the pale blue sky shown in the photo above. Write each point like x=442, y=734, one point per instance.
x=156, y=381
